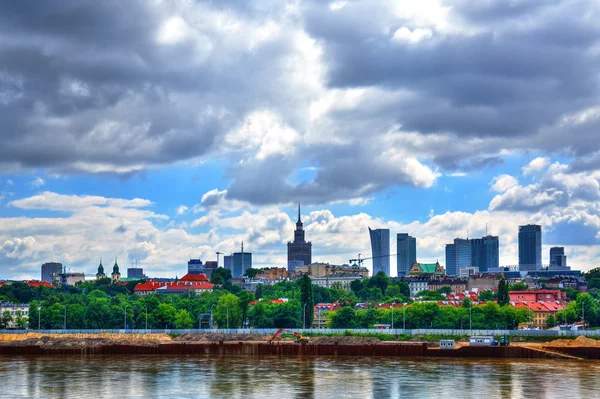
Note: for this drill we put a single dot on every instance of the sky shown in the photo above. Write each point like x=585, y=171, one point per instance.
x=159, y=130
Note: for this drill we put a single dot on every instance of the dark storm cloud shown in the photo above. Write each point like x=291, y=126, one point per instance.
x=89, y=87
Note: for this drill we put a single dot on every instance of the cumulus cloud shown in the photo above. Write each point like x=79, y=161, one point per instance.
x=503, y=182
x=536, y=165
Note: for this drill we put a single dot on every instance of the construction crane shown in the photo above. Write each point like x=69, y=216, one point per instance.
x=360, y=260
x=300, y=339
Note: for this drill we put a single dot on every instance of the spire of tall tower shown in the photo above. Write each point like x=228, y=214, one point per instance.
x=298, y=212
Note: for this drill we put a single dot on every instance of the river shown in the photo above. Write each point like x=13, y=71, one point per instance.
x=292, y=377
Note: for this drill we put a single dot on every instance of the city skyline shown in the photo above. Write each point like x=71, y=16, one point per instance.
x=203, y=124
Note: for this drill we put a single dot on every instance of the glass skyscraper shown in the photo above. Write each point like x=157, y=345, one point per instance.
x=406, y=253
x=380, y=249
x=530, y=247
x=485, y=253
x=557, y=256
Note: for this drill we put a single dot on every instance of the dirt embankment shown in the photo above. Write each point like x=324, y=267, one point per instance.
x=82, y=340
x=580, y=341
x=216, y=337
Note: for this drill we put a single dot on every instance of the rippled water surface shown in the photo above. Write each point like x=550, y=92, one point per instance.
x=275, y=377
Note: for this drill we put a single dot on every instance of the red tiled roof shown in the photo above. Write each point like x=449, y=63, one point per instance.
x=194, y=277
x=2, y=284
x=203, y=286
x=35, y=284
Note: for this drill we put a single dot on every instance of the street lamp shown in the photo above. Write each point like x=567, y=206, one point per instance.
x=125, y=317
x=304, y=316
x=227, y=307
x=471, y=318
x=211, y=316
x=404, y=316
x=146, y=307
x=393, y=303
x=39, y=317
x=65, y=324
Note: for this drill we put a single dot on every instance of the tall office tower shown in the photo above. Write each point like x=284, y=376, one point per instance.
x=299, y=249
x=530, y=247
x=195, y=266
x=557, y=256
x=50, y=268
x=485, y=253
x=458, y=255
x=406, y=253
x=380, y=249
x=228, y=263
x=451, y=269
x=209, y=267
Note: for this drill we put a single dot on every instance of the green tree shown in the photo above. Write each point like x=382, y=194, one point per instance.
x=356, y=286
x=587, y=306
x=392, y=291
x=97, y=313
x=486, y=296
x=306, y=300
x=5, y=319
x=503, y=296
x=252, y=272
x=343, y=318
x=444, y=290
x=34, y=314
x=259, y=291
x=245, y=299
x=466, y=303
x=20, y=319
x=164, y=316
x=76, y=316
x=520, y=286
x=571, y=293
x=183, y=319
x=220, y=276
x=380, y=280
x=227, y=312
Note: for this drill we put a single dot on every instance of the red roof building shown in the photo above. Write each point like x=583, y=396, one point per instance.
x=36, y=283
x=194, y=278
x=173, y=287
x=538, y=296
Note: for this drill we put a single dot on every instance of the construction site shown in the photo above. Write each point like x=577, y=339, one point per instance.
x=286, y=344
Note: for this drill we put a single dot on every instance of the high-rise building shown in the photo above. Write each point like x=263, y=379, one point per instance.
x=530, y=247
x=195, y=266
x=458, y=255
x=485, y=253
x=135, y=272
x=558, y=257
x=50, y=268
x=209, y=267
x=228, y=263
x=380, y=249
x=451, y=269
x=299, y=249
x=406, y=253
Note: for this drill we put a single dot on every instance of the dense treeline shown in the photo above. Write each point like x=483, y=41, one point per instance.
x=102, y=305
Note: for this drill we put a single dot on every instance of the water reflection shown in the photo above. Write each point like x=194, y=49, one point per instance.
x=275, y=377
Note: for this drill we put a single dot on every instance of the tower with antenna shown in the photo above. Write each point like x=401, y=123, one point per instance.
x=299, y=250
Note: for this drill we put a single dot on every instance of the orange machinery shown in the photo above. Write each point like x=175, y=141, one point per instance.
x=300, y=339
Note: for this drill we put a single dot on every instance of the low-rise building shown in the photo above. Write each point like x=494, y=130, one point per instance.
x=538, y=296
x=417, y=284
x=418, y=269
x=343, y=279
x=540, y=310
x=275, y=273
x=15, y=311
x=321, y=314
x=197, y=283
x=483, y=282
x=455, y=285
x=37, y=283
x=326, y=269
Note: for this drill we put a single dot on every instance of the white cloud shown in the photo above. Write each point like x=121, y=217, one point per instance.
x=181, y=210
x=536, y=165
x=37, y=182
x=405, y=35
x=503, y=182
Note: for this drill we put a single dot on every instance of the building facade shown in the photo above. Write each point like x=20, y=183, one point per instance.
x=299, y=250
x=458, y=255
x=419, y=269
x=136, y=273
x=557, y=257
x=240, y=262
x=343, y=279
x=380, y=249
x=19, y=313
x=49, y=269
x=485, y=253
x=195, y=266
x=209, y=267
x=530, y=247
x=406, y=253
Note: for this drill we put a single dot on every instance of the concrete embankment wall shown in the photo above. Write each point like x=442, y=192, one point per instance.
x=287, y=349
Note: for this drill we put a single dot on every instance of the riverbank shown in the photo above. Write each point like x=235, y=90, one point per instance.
x=257, y=345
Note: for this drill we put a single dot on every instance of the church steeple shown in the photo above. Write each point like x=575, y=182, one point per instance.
x=116, y=276
x=100, y=273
